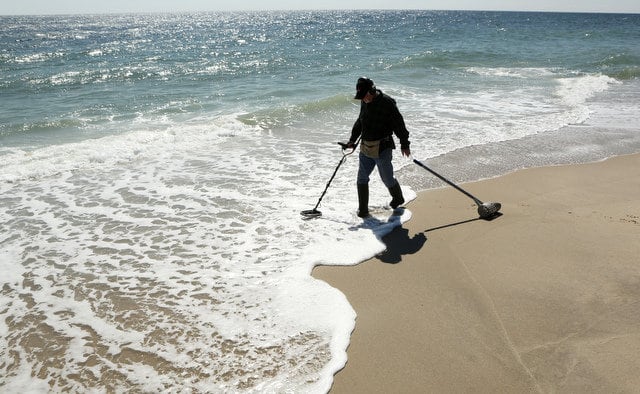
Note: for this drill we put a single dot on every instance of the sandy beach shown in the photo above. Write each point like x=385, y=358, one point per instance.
x=545, y=298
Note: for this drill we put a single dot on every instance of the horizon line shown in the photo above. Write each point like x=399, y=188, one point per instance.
x=141, y=12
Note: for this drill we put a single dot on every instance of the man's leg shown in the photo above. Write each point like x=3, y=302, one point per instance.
x=385, y=168
x=365, y=168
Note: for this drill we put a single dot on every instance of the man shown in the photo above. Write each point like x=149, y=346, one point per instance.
x=379, y=118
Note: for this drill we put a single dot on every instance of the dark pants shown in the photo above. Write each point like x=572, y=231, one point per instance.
x=385, y=168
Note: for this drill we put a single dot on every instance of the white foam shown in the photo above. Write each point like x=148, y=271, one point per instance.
x=191, y=237
x=54, y=159
x=444, y=121
x=511, y=72
x=577, y=90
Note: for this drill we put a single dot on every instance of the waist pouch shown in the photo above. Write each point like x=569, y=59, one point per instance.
x=372, y=149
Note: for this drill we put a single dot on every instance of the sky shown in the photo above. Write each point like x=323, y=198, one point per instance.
x=39, y=7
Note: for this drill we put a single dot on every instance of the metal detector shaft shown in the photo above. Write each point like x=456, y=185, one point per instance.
x=477, y=201
x=344, y=158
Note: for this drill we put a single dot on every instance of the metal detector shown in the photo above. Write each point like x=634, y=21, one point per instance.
x=314, y=213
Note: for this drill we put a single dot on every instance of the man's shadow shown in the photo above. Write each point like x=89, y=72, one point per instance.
x=399, y=243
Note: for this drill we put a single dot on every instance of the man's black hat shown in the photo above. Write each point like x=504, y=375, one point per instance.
x=363, y=86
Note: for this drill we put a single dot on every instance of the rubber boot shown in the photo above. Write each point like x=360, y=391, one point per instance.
x=363, y=200
x=396, y=194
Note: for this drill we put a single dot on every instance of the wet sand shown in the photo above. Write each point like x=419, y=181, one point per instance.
x=545, y=298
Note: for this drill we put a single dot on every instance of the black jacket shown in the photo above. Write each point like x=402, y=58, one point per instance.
x=379, y=119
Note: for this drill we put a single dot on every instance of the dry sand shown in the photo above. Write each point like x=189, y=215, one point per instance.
x=545, y=298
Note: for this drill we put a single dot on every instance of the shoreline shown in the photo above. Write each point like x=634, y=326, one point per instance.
x=543, y=298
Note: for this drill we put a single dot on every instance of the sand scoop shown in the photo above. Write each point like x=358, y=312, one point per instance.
x=486, y=210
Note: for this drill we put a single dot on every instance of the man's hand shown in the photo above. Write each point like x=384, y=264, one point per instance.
x=406, y=152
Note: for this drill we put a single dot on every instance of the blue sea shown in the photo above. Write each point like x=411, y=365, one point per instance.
x=153, y=168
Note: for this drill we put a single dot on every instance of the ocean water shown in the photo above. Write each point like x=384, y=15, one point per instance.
x=153, y=167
